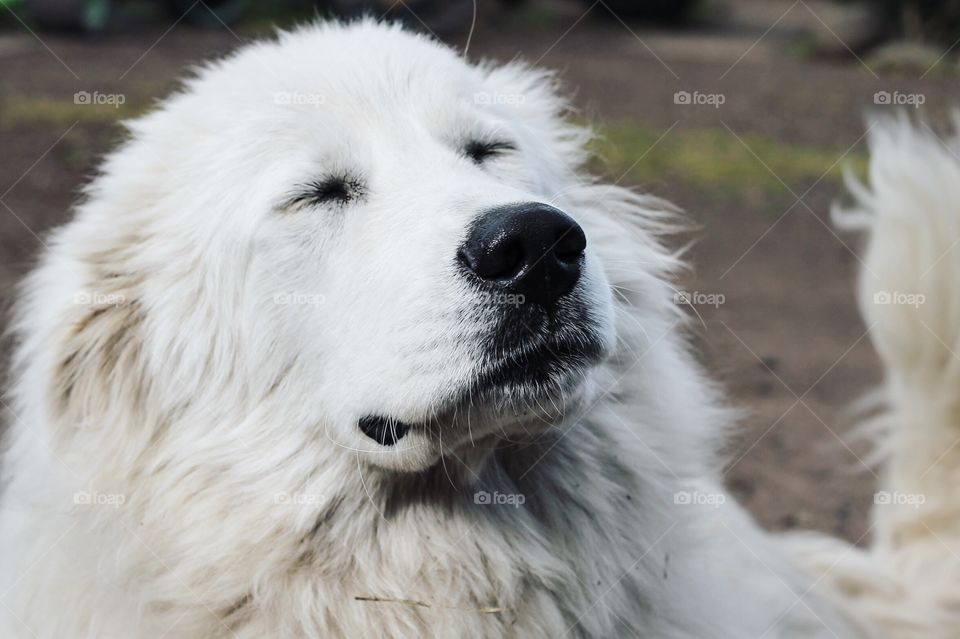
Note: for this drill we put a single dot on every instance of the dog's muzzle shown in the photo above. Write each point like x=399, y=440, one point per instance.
x=525, y=260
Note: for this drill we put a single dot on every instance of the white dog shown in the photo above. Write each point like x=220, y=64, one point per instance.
x=343, y=343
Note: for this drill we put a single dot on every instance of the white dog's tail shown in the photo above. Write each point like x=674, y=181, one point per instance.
x=910, y=299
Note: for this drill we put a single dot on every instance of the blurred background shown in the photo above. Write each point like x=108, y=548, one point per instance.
x=745, y=113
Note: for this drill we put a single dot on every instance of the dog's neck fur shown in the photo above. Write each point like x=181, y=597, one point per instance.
x=459, y=553
x=443, y=538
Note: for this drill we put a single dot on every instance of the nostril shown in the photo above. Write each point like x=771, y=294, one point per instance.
x=570, y=245
x=465, y=260
x=505, y=260
x=500, y=259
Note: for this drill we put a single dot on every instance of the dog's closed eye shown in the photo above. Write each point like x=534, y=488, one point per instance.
x=334, y=189
x=480, y=151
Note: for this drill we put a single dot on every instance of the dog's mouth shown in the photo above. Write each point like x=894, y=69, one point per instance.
x=538, y=373
x=545, y=367
x=386, y=431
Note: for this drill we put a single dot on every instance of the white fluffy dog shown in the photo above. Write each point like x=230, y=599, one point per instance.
x=343, y=343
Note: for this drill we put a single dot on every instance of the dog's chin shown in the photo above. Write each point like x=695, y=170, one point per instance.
x=516, y=399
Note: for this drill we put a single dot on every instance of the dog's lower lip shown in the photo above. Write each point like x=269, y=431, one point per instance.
x=558, y=353
x=386, y=431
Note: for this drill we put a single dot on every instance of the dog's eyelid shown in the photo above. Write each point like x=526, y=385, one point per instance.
x=333, y=189
x=480, y=150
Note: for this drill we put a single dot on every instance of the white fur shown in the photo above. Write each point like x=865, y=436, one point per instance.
x=182, y=383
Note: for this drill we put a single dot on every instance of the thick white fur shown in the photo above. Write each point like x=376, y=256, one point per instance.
x=909, y=577
x=225, y=421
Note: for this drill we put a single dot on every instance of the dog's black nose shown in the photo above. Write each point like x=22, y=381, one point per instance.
x=531, y=249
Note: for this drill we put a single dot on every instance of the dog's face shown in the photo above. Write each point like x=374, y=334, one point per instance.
x=390, y=227
x=415, y=257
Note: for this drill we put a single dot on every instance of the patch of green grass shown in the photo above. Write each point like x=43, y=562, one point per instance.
x=803, y=47
x=715, y=159
x=24, y=111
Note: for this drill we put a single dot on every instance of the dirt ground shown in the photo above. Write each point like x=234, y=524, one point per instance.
x=786, y=342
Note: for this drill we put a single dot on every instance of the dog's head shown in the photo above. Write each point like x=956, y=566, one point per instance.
x=357, y=225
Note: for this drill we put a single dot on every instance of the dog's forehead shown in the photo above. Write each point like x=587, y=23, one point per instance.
x=365, y=63
x=346, y=98
x=355, y=77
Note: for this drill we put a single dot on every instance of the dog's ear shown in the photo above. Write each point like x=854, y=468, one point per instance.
x=100, y=350
x=99, y=376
